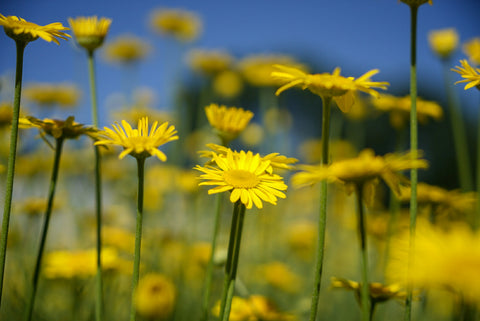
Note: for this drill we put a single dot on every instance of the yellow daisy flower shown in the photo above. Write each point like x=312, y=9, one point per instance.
x=140, y=143
x=241, y=310
x=209, y=62
x=65, y=129
x=472, y=49
x=50, y=94
x=181, y=24
x=471, y=75
x=227, y=84
x=341, y=89
x=126, y=49
x=365, y=168
x=21, y=30
x=89, y=31
x=443, y=42
x=246, y=176
x=229, y=122
x=155, y=296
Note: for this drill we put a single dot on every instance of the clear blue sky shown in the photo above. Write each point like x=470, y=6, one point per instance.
x=357, y=35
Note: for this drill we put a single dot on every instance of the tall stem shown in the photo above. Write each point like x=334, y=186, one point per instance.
x=11, y=161
x=138, y=234
x=48, y=212
x=232, y=260
x=362, y=235
x=414, y=148
x=323, y=210
x=98, y=192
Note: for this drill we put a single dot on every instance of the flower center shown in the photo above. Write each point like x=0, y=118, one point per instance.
x=239, y=178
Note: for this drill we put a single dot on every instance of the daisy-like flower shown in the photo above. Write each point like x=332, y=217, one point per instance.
x=443, y=42
x=155, y=296
x=140, y=143
x=367, y=167
x=472, y=49
x=341, y=89
x=89, y=32
x=183, y=25
x=245, y=176
x=126, y=49
x=471, y=74
x=24, y=31
x=65, y=129
x=50, y=94
x=209, y=62
x=229, y=122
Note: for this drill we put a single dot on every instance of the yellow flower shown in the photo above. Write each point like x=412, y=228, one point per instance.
x=181, y=24
x=90, y=31
x=227, y=84
x=24, y=31
x=241, y=310
x=229, y=122
x=265, y=309
x=253, y=135
x=139, y=142
x=442, y=258
x=279, y=276
x=341, y=89
x=118, y=238
x=256, y=69
x=301, y=237
x=155, y=296
x=245, y=175
x=209, y=62
x=65, y=129
x=49, y=94
x=126, y=49
x=471, y=75
x=416, y=3
x=399, y=108
x=6, y=114
x=472, y=49
x=443, y=42
x=363, y=169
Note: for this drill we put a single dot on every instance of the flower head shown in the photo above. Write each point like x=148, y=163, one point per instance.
x=229, y=122
x=245, y=176
x=65, y=129
x=471, y=75
x=50, y=94
x=209, y=62
x=126, y=49
x=155, y=296
x=472, y=49
x=443, y=42
x=90, y=31
x=341, y=89
x=183, y=25
x=139, y=142
x=21, y=30
x=364, y=168
x=227, y=84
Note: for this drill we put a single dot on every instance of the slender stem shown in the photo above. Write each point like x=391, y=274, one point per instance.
x=414, y=148
x=98, y=193
x=232, y=260
x=48, y=212
x=209, y=272
x=458, y=131
x=11, y=162
x=138, y=234
x=362, y=234
x=323, y=210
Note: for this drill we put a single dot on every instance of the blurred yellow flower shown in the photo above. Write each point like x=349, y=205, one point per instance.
x=118, y=238
x=89, y=32
x=253, y=135
x=472, y=49
x=399, y=109
x=183, y=25
x=21, y=30
x=416, y=3
x=65, y=129
x=341, y=89
x=139, y=142
x=227, y=84
x=126, y=49
x=155, y=296
x=471, y=75
x=50, y=94
x=241, y=310
x=209, y=62
x=363, y=169
x=443, y=42
x=301, y=237
x=228, y=122
x=279, y=276
x=245, y=175
x=266, y=310
x=6, y=114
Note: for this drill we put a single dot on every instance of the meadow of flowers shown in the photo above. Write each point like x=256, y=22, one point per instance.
x=217, y=208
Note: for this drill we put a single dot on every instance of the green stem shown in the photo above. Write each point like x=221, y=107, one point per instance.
x=323, y=210
x=48, y=212
x=98, y=192
x=11, y=161
x=459, y=135
x=209, y=271
x=138, y=234
x=362, y=234
x=413, y=148
x=232, y=260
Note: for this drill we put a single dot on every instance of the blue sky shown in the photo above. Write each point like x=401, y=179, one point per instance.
x=357, y=35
